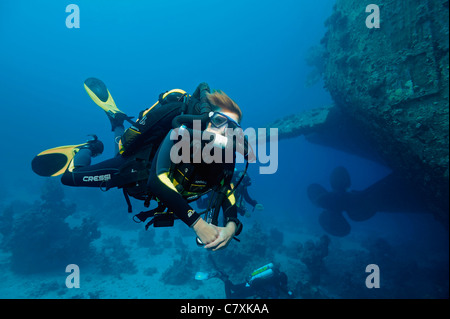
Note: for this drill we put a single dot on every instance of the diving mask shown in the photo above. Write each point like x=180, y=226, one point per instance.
x=219, y=120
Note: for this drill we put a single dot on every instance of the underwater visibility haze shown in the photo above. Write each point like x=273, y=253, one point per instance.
x=355, y=206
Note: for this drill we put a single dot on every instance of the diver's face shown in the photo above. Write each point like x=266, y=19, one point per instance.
x=220, y=127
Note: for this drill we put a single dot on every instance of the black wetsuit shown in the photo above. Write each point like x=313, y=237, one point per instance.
x=189, y=179
x=172, y=184
x=241, y=195
x=96, y=175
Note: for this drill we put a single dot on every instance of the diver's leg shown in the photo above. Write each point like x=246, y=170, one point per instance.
x=97, y=175
x=93, y=148
x=82, y=158
x=81, y=173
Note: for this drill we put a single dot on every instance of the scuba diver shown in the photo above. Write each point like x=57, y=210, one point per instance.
x=265, y=282
x=143, y=165
x=390, y=194
x=241, y=194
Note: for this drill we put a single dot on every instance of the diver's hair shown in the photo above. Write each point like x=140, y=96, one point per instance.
x=221, y=101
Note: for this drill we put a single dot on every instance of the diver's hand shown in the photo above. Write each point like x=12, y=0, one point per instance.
x=225, y=235
x=206, y=232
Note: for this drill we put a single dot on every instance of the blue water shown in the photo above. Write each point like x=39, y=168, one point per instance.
x=252, y=50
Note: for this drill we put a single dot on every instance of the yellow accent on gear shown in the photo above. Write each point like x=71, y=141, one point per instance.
x=231, y=198
x=173, y=91
x=164, y=178
x=164, y=96
x=149, y=109
x=71, y=167
x=69, y=151
x=120, y=144
x=109, y=106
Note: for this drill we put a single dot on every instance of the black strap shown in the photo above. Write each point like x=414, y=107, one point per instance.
x=127, y=199
x=215, y=203
x=219, y=200
x=143, y=216
x=185, y=103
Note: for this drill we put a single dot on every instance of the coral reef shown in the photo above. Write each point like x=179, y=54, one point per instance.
x=46, y=287
x=307, y=290
x=254, y=250
x=276, y=238
x=182, y=270
x=146, y=238
x=312, y=254
x=399, y=272
x=38, y=237
x=114, y=258
x=150, y=271
x=41, y=240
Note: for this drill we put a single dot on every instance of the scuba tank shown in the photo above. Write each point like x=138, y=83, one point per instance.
x=262, y=272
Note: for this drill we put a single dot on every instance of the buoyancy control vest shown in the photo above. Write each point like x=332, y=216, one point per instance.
x=140, y=142
x=173, y=108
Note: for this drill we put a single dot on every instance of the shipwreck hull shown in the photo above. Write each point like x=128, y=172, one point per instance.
x=391, y=83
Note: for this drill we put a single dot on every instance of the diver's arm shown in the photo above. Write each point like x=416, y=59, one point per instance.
x=225, y=235
x=230, y=215
x=232, y=226
x=160, y=185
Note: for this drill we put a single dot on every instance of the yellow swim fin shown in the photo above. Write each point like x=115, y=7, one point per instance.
x=99, y=93
x=54, y=161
